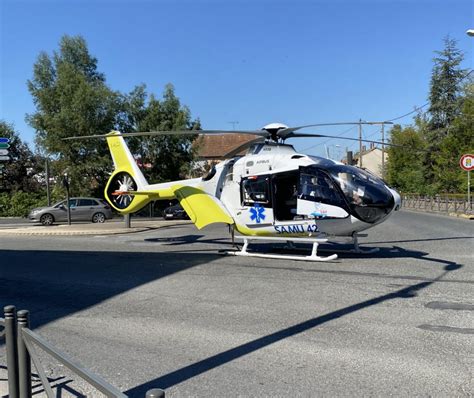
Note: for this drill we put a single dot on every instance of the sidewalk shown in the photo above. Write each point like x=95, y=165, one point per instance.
x=112, y=227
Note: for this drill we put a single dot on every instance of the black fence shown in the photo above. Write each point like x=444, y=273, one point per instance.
x=445, y=203
x=21, y=344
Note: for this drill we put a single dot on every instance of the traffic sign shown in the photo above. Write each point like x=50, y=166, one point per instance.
x=4, y=145
x=6, y=158
x=3, y=152
x=4, y=140
x=467, y=162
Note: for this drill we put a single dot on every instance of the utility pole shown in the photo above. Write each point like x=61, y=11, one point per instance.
x=383, y=151
x=360, y=138
x=233, y=123
x=360, y=143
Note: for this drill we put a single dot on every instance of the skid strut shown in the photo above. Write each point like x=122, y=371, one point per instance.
x=358, y=250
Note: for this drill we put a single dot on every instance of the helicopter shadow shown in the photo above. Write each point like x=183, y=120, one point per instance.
x=187, y=239
x=346, y=251
x=421, y=240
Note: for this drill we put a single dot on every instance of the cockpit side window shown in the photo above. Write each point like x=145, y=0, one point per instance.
x=256, y=190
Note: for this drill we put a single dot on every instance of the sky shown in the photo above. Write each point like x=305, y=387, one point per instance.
x=253, y=62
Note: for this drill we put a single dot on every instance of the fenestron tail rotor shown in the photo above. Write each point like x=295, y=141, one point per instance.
x=119, y=190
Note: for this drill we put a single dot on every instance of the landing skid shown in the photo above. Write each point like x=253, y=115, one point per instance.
x=312, y=257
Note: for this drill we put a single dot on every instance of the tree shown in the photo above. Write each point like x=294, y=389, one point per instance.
x=72, y=99
x=449, y=177
x=404, y=168
x=445, y=88
x=169, y=156
x=445, y=104
x=20, y=172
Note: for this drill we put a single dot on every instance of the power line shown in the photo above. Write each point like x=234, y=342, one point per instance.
x=409, y=113
x=416, y=109
x=427, y=103
x=338, y=135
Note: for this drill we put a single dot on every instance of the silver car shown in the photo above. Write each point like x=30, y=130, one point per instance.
x=82, y=209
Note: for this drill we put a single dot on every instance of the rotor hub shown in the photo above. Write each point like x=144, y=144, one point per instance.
x=273, y=129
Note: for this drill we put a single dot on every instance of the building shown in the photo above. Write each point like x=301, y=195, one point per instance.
x=371, y=160
x=212, y=148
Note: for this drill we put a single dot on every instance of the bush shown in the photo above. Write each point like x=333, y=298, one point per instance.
x=18, y=204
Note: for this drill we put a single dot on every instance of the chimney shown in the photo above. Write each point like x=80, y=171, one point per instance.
x=350, y=160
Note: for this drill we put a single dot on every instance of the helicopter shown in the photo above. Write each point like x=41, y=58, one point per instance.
x=272, y=192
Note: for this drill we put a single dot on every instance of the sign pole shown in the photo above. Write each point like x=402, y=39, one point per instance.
x=467, y=163
x=469, y=189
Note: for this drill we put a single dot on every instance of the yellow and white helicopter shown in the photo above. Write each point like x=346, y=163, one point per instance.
x=271, y=193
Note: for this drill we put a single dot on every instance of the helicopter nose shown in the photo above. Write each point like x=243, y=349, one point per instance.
x=397, y=199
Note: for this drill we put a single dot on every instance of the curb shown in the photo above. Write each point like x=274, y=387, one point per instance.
x=73, y=233
x=62, y=231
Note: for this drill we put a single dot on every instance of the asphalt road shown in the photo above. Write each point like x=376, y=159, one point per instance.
x=164, y=309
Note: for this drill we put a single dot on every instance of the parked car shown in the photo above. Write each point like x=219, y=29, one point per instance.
x=175, y=212
x=82, y=209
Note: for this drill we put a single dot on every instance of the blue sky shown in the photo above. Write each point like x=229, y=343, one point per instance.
x=255, y=62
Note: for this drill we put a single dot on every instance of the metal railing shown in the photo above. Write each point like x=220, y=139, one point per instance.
x=20, y=346
x=443, y=203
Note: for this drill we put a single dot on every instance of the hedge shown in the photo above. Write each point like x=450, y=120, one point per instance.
x=19, y=204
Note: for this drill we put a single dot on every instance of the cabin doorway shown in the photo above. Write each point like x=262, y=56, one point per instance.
x=285, y=195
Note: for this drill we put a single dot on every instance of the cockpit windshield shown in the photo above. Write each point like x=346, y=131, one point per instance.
x=366, y=193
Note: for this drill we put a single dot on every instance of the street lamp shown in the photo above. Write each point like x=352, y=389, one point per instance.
x=470, y=32
x=68, y=205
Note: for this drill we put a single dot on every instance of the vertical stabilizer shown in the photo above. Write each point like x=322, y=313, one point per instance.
x=124, y=160
x=127, y=177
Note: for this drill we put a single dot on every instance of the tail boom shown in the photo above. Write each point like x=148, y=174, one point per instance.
x=127, y=190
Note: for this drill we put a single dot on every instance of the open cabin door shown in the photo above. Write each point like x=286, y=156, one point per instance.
x=256, y=199
x=318, y=196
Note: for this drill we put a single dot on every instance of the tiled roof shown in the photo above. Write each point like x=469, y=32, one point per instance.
x=216, y=146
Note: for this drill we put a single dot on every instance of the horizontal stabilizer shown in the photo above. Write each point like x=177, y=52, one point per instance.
x=151, y=194
x=202, y=208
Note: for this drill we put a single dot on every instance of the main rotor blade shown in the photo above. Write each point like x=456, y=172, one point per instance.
x=282, y=133
x=261, y=133
x=298, y=135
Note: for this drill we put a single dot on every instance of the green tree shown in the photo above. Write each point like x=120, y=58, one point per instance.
x=169, y=156
x=21, y=172
x=445, y=105
x=404, y=167
x=72, y=99
x=449, y=177
x=445, y=88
